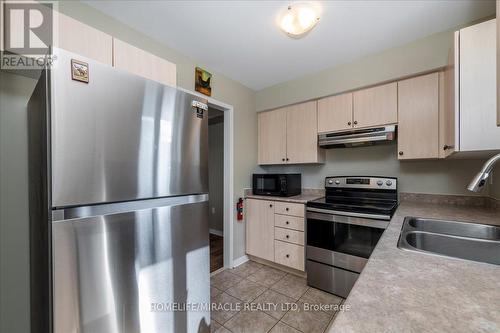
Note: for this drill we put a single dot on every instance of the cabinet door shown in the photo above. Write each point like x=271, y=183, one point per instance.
x=478, y=90
x=84, y=40
x=447, y=103
x=260, y=228
x=418, y=104
x=335, y=113
x=376, y=106
x=142, y=63
x=272, y=137
x=302, y=134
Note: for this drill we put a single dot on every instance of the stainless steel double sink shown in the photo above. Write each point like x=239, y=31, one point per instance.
x=469, y=241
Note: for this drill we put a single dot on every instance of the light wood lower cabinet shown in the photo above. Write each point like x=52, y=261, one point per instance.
x=288, y=235
x=288, y=208
x=276, y=237
x=260, y=228
x=290, y=222
x=290, y=255
x=418, y=107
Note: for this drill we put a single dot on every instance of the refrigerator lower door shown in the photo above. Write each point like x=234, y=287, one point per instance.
x=139, y=271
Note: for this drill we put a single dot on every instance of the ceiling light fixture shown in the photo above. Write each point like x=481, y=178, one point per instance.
x=299, y=19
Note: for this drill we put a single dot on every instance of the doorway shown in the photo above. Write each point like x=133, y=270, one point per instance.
x=216, y=187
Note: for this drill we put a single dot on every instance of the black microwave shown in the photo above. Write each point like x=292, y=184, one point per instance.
x=277, y=184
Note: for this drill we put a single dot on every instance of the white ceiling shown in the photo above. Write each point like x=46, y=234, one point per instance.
x=240, y=39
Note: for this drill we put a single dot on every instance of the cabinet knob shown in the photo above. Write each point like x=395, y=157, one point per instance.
x=288, y=256
x=270, y=205
x=283, y=159
x=287, y=159
x=287, y=222
x=349, y=123
x=401, y=153
x=355, y=122
x=287, y=209
x=287, y=236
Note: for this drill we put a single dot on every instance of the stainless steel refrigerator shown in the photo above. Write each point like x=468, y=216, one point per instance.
x=118, y=203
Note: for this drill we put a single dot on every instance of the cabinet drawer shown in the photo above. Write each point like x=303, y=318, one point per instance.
x=287, y=235
x=288, y=208
x=290, y=255
x=289, y=222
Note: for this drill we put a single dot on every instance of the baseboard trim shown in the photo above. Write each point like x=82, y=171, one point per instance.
x=216, y=232
x=239, y=261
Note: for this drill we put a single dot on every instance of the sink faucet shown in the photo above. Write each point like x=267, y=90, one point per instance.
x=479, y=180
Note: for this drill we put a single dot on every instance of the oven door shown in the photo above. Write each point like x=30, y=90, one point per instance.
x=342, y=241
x=268, y=184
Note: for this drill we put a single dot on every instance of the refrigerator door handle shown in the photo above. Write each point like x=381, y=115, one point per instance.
x=63, y=214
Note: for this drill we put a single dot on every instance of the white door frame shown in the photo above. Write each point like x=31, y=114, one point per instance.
x=228, y=174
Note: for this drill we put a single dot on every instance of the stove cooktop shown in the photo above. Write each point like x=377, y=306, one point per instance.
x=365, y=206
x=377, y=196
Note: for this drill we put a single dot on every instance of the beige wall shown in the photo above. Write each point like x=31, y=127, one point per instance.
x=418, y=56
x=437, y=177
x=223, y=89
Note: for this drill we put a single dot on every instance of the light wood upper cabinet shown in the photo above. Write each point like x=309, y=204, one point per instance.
x=142, y=63
x=418, y=103
x=376, y=106
x=79, y=38
x=289, y=135
x=478, y=88
x=335, y=113
x=260, y=228
x=272, y=137
x=302, y=134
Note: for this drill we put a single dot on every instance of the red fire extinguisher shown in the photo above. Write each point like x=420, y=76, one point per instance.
x=239, y=209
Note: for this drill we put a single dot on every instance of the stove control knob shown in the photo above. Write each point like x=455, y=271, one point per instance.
x=337, y=182
x=388, y=183
x=330, y=181
x=380, y=183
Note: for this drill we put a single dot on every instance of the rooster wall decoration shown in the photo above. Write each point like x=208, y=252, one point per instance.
x=203, y=81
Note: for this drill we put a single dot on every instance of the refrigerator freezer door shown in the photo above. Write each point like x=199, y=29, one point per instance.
x=120, y=137
x=126, y=272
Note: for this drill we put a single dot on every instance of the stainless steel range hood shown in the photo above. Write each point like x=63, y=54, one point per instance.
x=358, y=137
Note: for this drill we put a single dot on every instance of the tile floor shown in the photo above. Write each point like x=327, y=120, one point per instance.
x=254, y=298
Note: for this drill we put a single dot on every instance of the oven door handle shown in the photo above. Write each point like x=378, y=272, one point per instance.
x=375, y=221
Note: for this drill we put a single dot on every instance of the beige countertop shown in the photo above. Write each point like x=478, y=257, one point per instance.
x=307, y=195
x=404, y=291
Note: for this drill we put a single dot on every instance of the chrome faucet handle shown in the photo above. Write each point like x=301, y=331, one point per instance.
x=479, y=180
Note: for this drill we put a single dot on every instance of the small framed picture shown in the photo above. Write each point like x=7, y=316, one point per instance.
x=203, y=81
x=79, y=71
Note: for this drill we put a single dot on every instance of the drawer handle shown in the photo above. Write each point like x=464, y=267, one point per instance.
x=287, y=222
x=288, y=256
x=287, y=236
x=287, y=209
